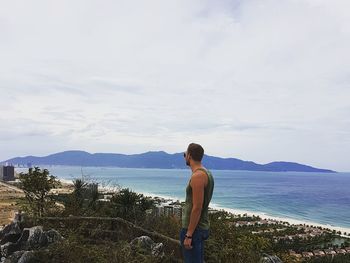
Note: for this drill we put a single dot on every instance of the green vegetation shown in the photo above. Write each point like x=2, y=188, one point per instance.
x=78, y=249
x=36, y=185
x=103, y=242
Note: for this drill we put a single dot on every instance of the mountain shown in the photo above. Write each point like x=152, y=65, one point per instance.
x=159, y=159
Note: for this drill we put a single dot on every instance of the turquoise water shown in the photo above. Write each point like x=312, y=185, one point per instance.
x=316, y=197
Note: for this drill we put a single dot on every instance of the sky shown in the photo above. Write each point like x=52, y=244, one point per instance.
x=255, y=80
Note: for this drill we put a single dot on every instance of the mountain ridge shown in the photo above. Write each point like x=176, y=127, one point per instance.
x=156, y=159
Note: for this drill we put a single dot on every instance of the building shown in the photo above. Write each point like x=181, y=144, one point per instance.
x=7, y=173
x=168, y=210
x=178, y=211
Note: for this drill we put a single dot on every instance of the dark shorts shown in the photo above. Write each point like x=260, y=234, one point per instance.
x=196, y=253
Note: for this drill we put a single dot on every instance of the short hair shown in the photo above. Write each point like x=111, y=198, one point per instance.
x=196, y=151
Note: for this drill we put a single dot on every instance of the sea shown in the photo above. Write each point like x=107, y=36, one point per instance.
x=322, y=198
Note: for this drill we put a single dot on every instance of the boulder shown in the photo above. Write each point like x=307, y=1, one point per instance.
x=147, y=245
x=26, y=257
x=36, y=238
x=12, y=228
x=16, y=245
x=144, y=242
x=20, y=257
x=8, y=249
x=22, y=241
x=10, y=233
x=158, y=250
x=270, y=259
x=14, y=257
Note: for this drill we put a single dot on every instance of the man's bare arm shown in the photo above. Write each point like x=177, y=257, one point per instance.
x=197, y=184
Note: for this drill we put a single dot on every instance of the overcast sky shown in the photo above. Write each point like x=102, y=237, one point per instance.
x=256, y=80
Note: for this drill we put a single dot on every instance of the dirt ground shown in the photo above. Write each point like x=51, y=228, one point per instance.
x=8, y=197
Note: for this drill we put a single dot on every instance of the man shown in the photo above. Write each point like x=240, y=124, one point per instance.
x=195, y=220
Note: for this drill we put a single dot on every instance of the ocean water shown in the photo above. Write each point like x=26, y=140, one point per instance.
x=322, y=198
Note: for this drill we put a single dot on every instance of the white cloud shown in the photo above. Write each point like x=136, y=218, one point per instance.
x=257, y=80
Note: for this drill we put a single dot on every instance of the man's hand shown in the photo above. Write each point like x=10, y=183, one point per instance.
x=188, y=243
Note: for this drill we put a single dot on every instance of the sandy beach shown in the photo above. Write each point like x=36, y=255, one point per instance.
x=283, y=219
x=68, y=183
x=262, y=215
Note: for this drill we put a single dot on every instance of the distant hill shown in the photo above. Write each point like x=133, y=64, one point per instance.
x=159, y=159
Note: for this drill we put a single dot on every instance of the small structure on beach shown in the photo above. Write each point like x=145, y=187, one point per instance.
x=7, y=173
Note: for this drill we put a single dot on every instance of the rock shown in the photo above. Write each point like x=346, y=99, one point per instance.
x=10, y=233
x=22, y=241
x=158, y=250
x=10, y=238
x=28, y=239
x=270, y=259
x=36, y=238
x=14, y=257
x=144, y=242
x=8, y=249
x=26, y=257
x=148, y=245
x=12, y=228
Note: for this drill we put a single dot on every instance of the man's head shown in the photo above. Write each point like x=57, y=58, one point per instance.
x=194, y=153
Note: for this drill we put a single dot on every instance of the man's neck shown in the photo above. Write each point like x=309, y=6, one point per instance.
x=195, y=166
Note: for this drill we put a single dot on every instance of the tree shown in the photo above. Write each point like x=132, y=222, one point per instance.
x=36, y=185
x=130, y=205
x=83, y=200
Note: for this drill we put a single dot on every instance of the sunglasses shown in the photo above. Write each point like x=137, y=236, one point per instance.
x=185, y=155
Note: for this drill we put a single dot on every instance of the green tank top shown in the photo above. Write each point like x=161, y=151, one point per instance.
x=208, y=193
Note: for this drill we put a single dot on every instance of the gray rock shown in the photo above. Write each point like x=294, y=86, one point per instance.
x=8, y=249
x=10, y=233
x=26, y=257
x=28, y=239
x=14, y=257
x=36, y=238
x=148, y=245
x=270, y=259
x=12, y=228
x=144, y=242
x=13, y=238
x=22, y=241
x=158, y=250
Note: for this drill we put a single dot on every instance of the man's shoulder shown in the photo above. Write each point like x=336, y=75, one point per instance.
x=198, y=177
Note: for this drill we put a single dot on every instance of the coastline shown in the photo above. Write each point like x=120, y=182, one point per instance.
x=262, y=215
x=236, y=211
